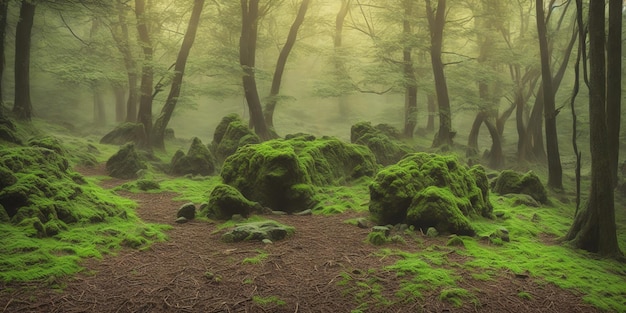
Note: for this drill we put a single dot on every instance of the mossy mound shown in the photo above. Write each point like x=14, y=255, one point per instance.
x=230, y=134
x=198, y=161
x=40, y=192
x=430, y=190
x=125, y=133
x=125, y=163
x=280, y=174
x=225, y=201
x=8, y=131
x=265, y=230
x=382, y=139
x=513, y=182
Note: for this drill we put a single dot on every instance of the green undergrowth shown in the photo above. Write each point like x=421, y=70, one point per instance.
x=260, y=257
x=339, y=199
x=232, y=223
x=268, y=301
x=25, y=257
x=534, y=250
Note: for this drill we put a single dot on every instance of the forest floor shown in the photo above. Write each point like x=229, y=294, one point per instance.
x=196, y=272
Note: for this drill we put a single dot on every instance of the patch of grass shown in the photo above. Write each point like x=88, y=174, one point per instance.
x=232, y=223
x=365, y=288
x=524, y=295
x=457, y=296
x=260, y=257
x=194, y=190
x=339, y=199
x=268, y=301
x=602, y=281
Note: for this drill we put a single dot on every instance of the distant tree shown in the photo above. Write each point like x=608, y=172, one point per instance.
x=250, y=14
x=270, y=106
x=436, y=22
x=120, y=33
x=594, y=226
x=22, y=106
x=144, y=115
x=614, y=83
x=158, y=136
x=410, y=81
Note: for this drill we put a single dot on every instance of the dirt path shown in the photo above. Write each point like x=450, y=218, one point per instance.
x=195, y=272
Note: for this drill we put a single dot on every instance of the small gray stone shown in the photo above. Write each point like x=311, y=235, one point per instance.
x=305, y=212
x=279, y=212
x=363, y=222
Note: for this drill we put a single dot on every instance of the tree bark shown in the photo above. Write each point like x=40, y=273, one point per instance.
x=122, y=40
x=436, y=23
x=268, y=114
x=119, y=90
x=158, y=137
x=22, y=106
x=247, y=56
x=555, y=171
x=614, y=83
x=145, y=103
x=432, y=107
x=410, y=81
x=99, y=111
x=4, y=7
x=594, y=227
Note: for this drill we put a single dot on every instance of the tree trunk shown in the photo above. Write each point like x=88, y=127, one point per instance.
x=145, y=103
x=158, y=137
x=614, y=83
x=247, y=55
x=4, y=7
x=555, y=172
x=99, y=111
x=594, y=227
x=410, y=81
x=122, y=40
x=496, y=156
x=119, y=91
x=268, y=114
x=432, y=107
x=22, y=106
x=436, y=23
x=472, y=138
x=340, y=69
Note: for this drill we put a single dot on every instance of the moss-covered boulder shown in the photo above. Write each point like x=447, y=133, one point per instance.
x=259, y=231
x=198, y=160
x=187, y=210
x=382, y=139
x=8, y=131
x=513, y=182
x=429, y=190
x=281, y=174
x=125, y=163
x=230, y=134
x=226, y=201
x=125, y=133
x=39, y=192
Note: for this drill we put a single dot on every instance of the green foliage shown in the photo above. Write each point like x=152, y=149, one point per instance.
x=260, y=257
x=456, y=296
x=268, y=301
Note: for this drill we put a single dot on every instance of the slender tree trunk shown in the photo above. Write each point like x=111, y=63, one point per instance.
x=4, y=7
x=247, y=56
x=22, y=106
x=432, y=107
x=410, y=88
x=594, y=227
x=99, y=111
x=147, y=75
x=268, y=114
x=614, y=83
x=119, y=91
x=496, y=156
x=555, y=172
x=436, y=22
x=122, y=40
x=472, y=138
x=158, y=137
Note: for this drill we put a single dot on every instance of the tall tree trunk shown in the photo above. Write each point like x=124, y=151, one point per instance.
x=614, y=83
x=436, y=23
x=268, y=114
x=145, y=103
x=4, y=7
x=22, y=106
x=432, y=107
x=555, y=172
x=410, y=81
x=119, y=90
x=472, y=138
x=158, y=137
x=594, y=227
x=122, y=40
x=247, y=56
x=341, y=72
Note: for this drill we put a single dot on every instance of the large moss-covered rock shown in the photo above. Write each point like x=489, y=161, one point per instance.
x=125, y=163
x=280, y=174
x=125, y=133
x=429, y=190
x=382, y=140
x=513, y=182
x=230, y=134
x=198, y=160
x=260, y=231
x=40, y=192
x=225, y=201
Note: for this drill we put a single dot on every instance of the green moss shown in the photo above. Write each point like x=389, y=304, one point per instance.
x=509, y=181
x=224, y=201
x=381, y=140
x=230, y=134
x=422, y=179
x=260, y=257
x=456, y=296
x=198, y=160
x=524, y=295
x=268, y=301
x=438, y=207
x=125, y=163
